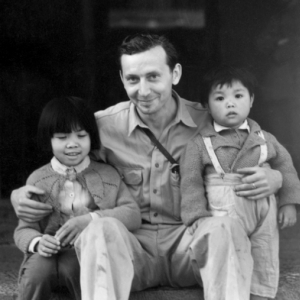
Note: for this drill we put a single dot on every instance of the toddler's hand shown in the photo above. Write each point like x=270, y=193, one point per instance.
x=48, y=245
x=287, y=216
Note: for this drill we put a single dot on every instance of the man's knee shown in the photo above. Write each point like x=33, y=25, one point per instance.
x=103, y=223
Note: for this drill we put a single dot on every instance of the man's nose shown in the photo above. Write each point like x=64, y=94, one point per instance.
x=144, y=89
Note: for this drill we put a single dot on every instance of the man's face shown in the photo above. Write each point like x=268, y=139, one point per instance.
x=148, y=80
x=230, y=105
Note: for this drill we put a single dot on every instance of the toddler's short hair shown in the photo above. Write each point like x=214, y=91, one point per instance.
x=226, y=75
x=64, y=114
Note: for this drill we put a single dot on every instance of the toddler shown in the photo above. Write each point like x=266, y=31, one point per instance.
x=78, y=189
x=209, y=174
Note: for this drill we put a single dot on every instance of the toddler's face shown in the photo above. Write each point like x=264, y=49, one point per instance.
x=230, y=105
x=71, y=148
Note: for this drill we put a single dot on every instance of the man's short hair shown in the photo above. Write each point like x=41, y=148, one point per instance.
x=226, y=75
x=138, y=43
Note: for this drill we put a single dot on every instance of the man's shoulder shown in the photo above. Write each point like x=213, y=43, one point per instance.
x=193, y=105
x=198, y=113
x=113, y=111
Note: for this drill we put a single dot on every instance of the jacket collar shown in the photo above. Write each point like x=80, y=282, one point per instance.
x=219, y=141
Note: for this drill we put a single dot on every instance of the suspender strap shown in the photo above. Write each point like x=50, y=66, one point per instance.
x=263, y=150
x=212, y=156
x=162, y=149
x=215, y=161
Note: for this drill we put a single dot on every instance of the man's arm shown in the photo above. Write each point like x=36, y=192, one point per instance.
x=27, y=209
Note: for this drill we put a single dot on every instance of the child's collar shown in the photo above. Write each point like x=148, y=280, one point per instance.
x=219, y=127
x=58, y=167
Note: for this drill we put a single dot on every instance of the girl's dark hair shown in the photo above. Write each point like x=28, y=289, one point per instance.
x=138, y=43
x=63, y=115
x=226, y=74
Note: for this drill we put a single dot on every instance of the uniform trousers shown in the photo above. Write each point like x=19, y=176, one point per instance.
x=115, y=261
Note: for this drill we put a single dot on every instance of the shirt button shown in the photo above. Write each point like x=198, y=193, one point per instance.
x=154, y=191
x=72, y=195
x=156, y=165
x=155, y=214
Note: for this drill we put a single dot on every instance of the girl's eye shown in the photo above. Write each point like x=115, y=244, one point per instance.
x=82, y=134
x=220, y=98
x=60, y=137
x=238, y=96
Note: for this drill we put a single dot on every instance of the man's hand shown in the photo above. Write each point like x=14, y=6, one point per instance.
x=48, y=245
x=70, y=231
x=258, y=183
x=26, y=209
x=287, y=216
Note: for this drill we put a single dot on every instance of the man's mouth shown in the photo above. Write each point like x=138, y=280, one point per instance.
x=146, y=100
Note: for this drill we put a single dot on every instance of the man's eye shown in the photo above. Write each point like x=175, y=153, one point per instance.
x=132, y=80
x=153, y=77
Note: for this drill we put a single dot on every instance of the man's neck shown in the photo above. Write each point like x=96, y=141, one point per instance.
x=157, y=122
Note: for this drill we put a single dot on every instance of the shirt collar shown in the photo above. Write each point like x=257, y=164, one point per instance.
x=219, y=128
x=182, y=115
x=58, y=167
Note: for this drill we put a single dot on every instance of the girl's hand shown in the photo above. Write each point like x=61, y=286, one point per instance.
x=70, y=231
x=287, y=216
x=48, y=245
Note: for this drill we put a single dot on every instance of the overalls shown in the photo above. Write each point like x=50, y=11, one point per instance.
x=258, y=218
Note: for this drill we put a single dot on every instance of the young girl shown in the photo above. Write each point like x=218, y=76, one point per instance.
x=78, y=189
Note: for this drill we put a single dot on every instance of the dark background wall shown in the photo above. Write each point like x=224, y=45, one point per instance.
x=64, y=47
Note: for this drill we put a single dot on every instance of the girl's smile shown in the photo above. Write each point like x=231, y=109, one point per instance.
x=71, y=148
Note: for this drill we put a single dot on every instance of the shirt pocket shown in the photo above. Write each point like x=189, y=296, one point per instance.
x=133, y=178
x=176, y=197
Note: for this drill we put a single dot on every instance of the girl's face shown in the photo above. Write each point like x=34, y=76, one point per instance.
x=230, y=105
x=71, y=148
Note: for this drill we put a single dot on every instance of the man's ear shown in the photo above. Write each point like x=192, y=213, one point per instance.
x=177, y=71
x=121, y=75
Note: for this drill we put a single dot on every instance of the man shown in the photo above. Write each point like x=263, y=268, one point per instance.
x=162, y=251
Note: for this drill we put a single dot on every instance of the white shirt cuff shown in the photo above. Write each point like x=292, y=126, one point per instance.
x=33, y=243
